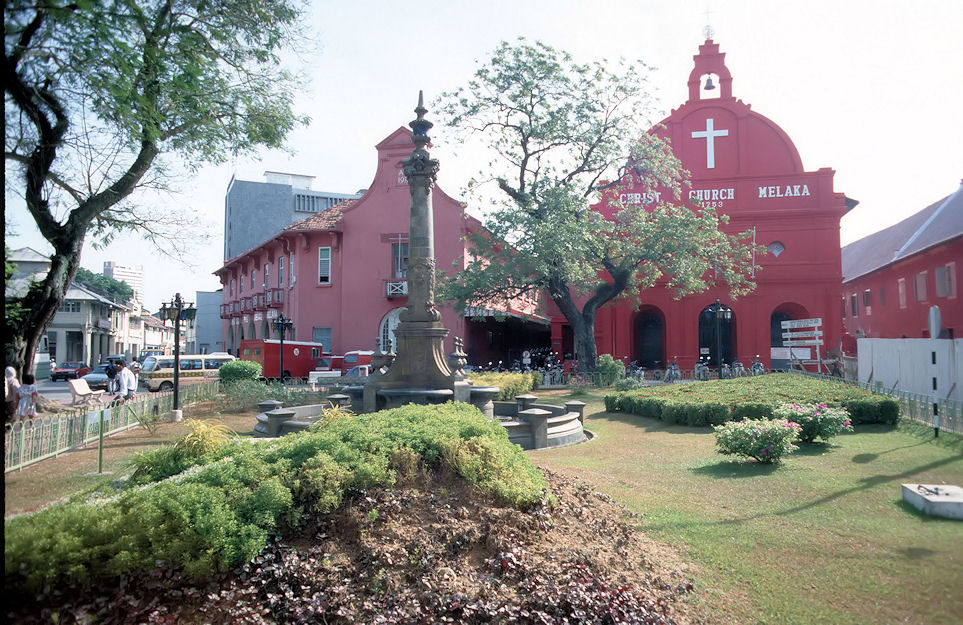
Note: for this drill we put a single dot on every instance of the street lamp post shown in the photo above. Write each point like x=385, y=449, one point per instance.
x=281, y=325
x=720, y=312
x=176, y=311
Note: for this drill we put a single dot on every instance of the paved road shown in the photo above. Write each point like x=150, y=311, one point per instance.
x=58, y=391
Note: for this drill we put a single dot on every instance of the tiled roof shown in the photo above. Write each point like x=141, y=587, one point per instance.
x=323, y=220
x=937, y=223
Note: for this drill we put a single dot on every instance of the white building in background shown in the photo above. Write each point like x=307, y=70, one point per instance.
x=89, y=327
x=133, y=276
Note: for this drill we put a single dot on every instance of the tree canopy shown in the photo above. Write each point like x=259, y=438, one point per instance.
x=564, y=136
x=117, y=290
x=96, y=91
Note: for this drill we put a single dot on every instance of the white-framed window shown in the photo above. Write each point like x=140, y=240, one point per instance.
x=70, y=306
x=280, y=271
x=323, y=336
x=291, y=276
x=399, y=260
x=919, y=286
x=266, y=271
x=901, y=290
x=945, y=278
x=253, y=278
x=324, y=266
x=232, y=287
x=241, y=290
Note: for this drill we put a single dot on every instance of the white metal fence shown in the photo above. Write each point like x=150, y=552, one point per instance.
x=26, y=442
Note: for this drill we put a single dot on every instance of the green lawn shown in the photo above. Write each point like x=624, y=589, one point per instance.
x=821, y=538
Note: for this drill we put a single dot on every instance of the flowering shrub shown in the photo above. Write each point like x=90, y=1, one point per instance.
x=765, y=440
x=816, y=420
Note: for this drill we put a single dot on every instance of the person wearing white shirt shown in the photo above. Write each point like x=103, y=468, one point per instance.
x=126, y=380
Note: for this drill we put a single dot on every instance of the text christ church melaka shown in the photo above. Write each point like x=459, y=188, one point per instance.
x=746, y=167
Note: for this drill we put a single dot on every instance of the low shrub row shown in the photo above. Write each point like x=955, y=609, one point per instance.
x=511, y=384
x=245, y=394
x=204, y=508
x=716, y=402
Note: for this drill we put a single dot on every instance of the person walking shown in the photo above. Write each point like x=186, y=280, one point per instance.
x=10, y=388
x=126, y=382
x=27, y=397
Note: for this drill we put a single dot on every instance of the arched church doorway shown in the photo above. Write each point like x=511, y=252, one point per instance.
x=780, y=357
x=649, y=338
x=717, y=328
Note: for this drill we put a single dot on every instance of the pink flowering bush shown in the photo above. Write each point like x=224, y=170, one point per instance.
x=765, y=440
x=816, y=420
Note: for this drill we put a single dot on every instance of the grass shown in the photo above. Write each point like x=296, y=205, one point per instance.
x=823, y=537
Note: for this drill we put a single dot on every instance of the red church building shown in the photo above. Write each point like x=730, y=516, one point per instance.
x=746, y=167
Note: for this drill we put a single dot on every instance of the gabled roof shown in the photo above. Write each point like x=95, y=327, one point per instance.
x=937, y=223
x=324, y=220
x=77, y=291
x=28, y=255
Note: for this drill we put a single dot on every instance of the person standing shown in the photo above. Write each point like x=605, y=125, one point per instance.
x=27, y=397
x=126, y=382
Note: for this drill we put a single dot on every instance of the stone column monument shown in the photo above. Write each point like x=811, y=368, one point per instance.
x=419, y=371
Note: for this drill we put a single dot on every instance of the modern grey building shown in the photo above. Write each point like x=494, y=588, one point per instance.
x=207, y=324
x=256, y=211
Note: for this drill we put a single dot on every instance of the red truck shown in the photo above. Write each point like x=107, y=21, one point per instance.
x=300, y=357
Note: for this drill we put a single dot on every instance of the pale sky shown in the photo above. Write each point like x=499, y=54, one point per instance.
x=867, y=88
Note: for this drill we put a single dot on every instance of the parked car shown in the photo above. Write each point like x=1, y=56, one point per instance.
x=358, y=371
x=69, y=371
x=97, y=379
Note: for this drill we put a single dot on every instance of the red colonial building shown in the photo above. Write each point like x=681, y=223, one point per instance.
x=893, y=278
x=341, y=275
x=746, y=167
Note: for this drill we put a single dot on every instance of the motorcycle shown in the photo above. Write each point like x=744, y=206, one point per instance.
x=756, y=367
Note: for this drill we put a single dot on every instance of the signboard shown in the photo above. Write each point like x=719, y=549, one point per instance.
x=797, y=342
x=802, y=323
x=801, y=334
x=797, y=353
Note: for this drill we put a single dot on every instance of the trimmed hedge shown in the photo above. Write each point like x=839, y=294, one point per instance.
x=700, y=404
x=511, y=384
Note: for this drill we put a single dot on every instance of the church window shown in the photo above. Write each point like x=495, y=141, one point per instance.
x=853, y=305
x=324, y=265
x=776, y=248
x=901, y=288
x=867, y=298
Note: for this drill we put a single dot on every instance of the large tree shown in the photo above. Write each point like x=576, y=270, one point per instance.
x=566, y=136
x=97, y=91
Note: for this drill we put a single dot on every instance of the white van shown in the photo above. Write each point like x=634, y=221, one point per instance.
x=158, y=371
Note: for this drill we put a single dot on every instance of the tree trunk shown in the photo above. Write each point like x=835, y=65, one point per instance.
x=582, y=323
x=40, y=305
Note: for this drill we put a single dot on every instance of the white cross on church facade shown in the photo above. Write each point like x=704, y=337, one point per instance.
x=710, y=134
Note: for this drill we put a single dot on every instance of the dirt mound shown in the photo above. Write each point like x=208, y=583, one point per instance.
x=430, y=550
